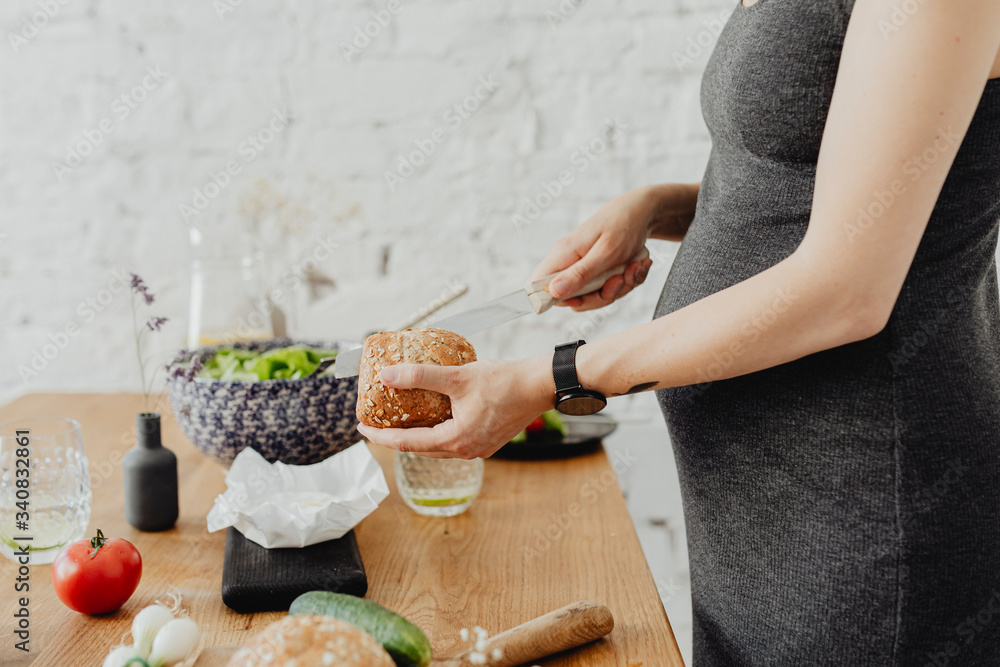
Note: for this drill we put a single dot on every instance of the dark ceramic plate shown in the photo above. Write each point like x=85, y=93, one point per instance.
x=584, y=435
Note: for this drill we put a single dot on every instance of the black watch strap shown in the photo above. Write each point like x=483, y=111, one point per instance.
x=571, y=398
x=564, y=367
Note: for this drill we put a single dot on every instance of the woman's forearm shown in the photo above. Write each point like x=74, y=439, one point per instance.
x=777, y=316
x=673, y=210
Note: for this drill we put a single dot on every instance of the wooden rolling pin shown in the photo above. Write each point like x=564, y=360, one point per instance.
x=556, y=631
x=573, y=625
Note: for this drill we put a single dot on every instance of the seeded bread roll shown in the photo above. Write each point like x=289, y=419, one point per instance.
x=382, y=407
x=308, y=641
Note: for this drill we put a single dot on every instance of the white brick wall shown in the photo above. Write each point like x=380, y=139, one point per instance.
x=562, y=69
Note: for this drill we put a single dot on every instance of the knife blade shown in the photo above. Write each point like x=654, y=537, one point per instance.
x=534, y=298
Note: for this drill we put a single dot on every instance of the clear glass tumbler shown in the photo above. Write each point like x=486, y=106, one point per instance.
x=438, y=487
x=44, y=487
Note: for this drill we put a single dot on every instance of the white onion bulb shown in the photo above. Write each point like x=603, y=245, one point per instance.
x=174, y=642
x=146, y=624
x=119, y=657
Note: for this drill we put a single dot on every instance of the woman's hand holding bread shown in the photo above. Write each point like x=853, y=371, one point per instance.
x=428, y=382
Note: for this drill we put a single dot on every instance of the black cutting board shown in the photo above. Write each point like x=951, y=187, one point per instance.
x=259, y=579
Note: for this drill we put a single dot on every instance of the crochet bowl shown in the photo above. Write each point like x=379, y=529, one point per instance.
x=294, y=421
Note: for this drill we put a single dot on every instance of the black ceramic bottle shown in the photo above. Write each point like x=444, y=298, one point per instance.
x=150, y=471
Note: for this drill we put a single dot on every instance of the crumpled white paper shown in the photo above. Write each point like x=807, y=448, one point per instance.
x=279, y=505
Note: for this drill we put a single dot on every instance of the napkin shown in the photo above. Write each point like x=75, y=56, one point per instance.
x=280, y=505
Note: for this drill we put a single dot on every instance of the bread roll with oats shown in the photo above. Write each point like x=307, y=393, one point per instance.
x=384, y=407
x=306, y=641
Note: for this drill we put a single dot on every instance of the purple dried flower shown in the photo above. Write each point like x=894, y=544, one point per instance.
x=155, y=323
x=139, y=287
x=182, y=367
x=194, y=368
x=178, y=358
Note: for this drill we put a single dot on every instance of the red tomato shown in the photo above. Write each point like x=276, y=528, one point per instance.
x=536, y=426
x=98, y=575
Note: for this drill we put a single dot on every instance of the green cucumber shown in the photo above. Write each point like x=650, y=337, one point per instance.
x=404, y=641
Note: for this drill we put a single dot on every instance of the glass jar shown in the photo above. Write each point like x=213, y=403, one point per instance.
x=228, y=301
x=438, y=487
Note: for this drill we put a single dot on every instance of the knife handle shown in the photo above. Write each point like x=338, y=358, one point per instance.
x=538, y=290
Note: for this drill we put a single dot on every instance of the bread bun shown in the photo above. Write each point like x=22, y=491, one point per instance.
x=383, y=407
x=311, y=641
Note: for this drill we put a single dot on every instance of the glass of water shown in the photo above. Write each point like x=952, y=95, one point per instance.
x=44, y=487
x=438, y=487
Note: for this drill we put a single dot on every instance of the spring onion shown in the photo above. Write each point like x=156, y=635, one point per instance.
x=160, y=639
x=119, y=657
x=146, y=624
x=174, y=642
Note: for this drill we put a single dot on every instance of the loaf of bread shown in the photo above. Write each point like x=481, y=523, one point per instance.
x=384, y=407
x=306, y=641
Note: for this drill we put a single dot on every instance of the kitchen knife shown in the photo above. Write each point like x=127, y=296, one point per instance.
x=534, y=298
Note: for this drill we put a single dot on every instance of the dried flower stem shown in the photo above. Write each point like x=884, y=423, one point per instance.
x=138, y=354
x=139, y=288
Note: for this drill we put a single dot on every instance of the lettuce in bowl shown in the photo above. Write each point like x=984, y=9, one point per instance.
x=283, y=363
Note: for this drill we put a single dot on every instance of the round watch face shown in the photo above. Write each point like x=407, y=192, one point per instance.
x=580, y=404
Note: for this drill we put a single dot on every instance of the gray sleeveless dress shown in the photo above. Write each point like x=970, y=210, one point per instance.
x=843, y=509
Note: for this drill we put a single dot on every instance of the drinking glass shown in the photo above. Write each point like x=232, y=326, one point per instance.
x=438, y=487
x=226, y=303
x=44, y=487
x=228, y=299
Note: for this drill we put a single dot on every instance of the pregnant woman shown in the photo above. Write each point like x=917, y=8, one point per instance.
x=826, y=349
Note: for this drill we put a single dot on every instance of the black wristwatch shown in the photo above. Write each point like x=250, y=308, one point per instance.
x=571, y=398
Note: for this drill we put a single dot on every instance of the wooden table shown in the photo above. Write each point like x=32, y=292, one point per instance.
x=541, y=535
